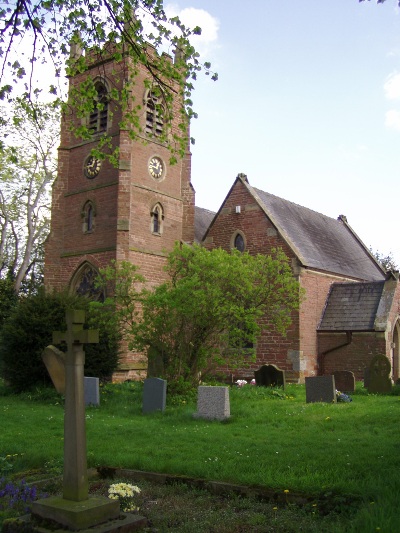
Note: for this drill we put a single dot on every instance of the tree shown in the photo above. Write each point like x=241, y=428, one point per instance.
x=27, y=170
x=47, y=29
x=387, y=261
x=378, y=1
x=207, y=314
x=28, y=330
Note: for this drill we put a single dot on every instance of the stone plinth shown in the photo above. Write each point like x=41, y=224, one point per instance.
x=76, y=515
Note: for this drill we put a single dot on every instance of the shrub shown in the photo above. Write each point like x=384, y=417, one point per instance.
x=28, y=331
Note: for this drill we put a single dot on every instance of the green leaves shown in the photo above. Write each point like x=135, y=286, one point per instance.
x=208, y=312
x=47, y=29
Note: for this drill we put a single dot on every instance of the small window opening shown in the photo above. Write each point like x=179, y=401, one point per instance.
x=99, y=116
x=154, y=115
x=88, y=215
x=156, y=219
x=239, y=243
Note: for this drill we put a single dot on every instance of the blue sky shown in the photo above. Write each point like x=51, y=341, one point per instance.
x=307, y=105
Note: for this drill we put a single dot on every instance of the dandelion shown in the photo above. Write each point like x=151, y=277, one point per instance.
x=286, y=491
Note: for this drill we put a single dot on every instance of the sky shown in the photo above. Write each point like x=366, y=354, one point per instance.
x=307, y=105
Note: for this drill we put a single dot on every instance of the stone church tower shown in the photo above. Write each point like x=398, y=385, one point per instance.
x=133, y=211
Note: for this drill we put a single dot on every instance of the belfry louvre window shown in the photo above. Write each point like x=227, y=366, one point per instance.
x=99, y=116
x=154, y=115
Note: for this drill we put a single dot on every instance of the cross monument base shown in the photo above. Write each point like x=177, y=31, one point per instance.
x=76, y=515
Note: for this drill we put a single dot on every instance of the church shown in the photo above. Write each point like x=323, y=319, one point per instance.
x=136, y=210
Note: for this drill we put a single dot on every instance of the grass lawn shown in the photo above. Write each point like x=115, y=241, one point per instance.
x=345, y=452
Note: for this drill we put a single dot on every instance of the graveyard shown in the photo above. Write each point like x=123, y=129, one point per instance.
x=333, y=465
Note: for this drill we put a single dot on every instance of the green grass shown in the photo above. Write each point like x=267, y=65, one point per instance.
x=272, y=439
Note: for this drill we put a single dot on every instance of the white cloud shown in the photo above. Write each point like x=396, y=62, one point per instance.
x=392, y=119
x=392, y=87
x=192, y=17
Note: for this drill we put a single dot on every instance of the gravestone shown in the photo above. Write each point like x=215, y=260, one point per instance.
x=345, y=380
x=320, y=389
x=270, y=376
x=91, y=389
x=154, y=395
x=54, y=360
x=379, y=375
x=213, y=403
x=75, y=510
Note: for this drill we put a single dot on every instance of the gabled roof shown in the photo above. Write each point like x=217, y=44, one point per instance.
x=202, y=220
x=318, y=241
x=352, y=307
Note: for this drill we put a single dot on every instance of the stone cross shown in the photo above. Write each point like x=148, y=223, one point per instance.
x=75, y=481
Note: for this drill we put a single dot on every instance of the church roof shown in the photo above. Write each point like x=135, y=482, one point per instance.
x=318, y=241
x=352, y=307
x=202, y=220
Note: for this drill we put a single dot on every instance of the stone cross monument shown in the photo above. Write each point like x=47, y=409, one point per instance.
x=75, y=510
x=75, y=466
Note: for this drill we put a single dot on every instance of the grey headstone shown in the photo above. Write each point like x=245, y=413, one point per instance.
x=344, y=381
x=154, y=395
x=320, y=389
x=270, y=376
x=379, y=375
x=213, y=403
x=91, y=390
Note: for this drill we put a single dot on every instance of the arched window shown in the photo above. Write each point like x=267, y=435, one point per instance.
x=154, y=114
x=99, y=116
x=238, y=242
x=84, y=283
x=157, y=217
x=88, y=216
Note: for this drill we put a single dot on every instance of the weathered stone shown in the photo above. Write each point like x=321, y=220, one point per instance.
x=54, y=359
x=345, y=380
x=91, y=388
x=270, y=376
x=320, y=389
x=154, y=395
x=213, y=403
x=379, y=375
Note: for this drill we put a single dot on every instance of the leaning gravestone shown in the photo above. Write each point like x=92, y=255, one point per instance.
x=213, y=403
x=270, y=376
x=154, y=395
x=379, y=371
x=75, y=510
x=345, y=380
x=54, y=360
x=91, y=389
x=320, y=389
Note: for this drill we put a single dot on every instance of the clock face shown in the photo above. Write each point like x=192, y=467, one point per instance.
x=156, y=167
x=92, y=167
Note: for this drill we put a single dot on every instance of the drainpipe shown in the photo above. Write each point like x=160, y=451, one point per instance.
x=321, y=357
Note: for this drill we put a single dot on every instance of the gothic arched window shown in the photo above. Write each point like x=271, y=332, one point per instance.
x=84, y=283
x=99, y=116
x=238, y=242
x=88, y=215
x=154, y=114
x=157, y=217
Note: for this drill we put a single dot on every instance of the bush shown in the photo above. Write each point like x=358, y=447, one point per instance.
x=28, y=331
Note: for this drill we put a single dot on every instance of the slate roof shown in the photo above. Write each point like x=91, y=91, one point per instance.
x=202, y=220
x=319, y=241
x=351, y=307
